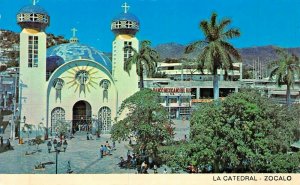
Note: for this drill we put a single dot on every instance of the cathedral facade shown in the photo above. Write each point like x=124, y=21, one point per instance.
x=73, y=82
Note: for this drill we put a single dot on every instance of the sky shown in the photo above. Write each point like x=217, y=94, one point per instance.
x=261, y=22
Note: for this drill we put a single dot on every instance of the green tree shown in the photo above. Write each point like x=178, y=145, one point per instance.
x=247, y=132
x=146, y=120
x=285, y=70
x=244, y=133
x=216, y=53
x=27, y=128
x=37, y=141
x=145, y=60
x=62, y=128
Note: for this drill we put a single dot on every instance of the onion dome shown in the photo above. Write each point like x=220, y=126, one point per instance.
x=75, y=51
x=34, y=17
x=125, y=23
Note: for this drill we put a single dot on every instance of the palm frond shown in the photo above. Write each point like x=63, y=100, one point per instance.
x=195, y=45
x=213, y=19
x=205, y=27
x=231, y=33
x=231, y=50
x=224, y=22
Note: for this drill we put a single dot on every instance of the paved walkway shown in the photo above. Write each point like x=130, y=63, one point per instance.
x=83, y=155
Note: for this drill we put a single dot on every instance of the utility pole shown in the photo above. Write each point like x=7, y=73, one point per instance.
x=13, y=119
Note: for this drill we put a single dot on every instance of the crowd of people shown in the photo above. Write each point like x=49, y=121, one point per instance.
x=140, y=162
x=106, y=149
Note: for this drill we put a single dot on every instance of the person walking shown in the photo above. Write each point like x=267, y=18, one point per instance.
x=114, y=145
x=8, y=143
x=128, y=152
x=101, y=152
x=90, y=136
x=1, y=141
x=155, y=168
x=144, y=167
x=104, y=150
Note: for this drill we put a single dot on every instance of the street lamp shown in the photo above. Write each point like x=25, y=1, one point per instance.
x=58, y=148
x=24, y=121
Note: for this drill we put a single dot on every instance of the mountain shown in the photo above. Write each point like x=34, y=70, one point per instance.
x=170, y=50
x=265, y=54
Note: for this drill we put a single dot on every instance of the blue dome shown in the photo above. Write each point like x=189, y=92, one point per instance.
x=53, y=62
x=33, y=9
x=126, y=17
x=76, y=51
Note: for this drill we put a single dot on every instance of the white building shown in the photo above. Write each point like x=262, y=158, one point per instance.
x=186, y=87
x=73, y=82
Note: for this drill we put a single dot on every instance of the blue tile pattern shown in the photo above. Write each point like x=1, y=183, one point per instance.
x=76, y=51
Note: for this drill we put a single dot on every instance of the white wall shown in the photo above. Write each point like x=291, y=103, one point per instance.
x=33, y=80
x=70, y=95
x=127, y=84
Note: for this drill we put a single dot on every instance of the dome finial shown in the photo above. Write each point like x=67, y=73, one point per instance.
x=74, y=39
x=126, y=7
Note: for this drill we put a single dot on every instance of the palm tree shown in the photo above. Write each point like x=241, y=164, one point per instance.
x=27, y=129
x=62, y=128
x=145, y=60
x=285, y=70
x=216, y=53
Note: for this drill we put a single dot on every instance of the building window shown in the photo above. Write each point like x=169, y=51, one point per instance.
x=104, y=118
x=57, y=114
x=33, y=51
x=129, y=24
x=118, y=24
x=172, y=100
x=127, y=52
x=21, y=17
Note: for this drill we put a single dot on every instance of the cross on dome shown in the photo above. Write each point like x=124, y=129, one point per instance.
x=35, y=1
x=74, y=30
x=126, y=7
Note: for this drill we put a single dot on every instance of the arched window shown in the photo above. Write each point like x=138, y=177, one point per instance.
x=57, y=114
x=104, y=118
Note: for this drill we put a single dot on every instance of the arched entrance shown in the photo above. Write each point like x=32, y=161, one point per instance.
x=82, y=114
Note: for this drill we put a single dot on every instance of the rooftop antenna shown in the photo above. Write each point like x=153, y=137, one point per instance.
x=126, y=7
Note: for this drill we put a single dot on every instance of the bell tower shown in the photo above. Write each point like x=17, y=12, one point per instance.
x=124, y=26
x=33, y=21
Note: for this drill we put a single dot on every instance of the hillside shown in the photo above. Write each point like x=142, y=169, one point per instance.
x=9, y=49
x=264, y=53
x=9, y=45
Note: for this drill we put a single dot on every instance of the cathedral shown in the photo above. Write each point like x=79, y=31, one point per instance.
x=73, y=82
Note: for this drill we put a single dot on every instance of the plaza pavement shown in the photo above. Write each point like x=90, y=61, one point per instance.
x=83, y=155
